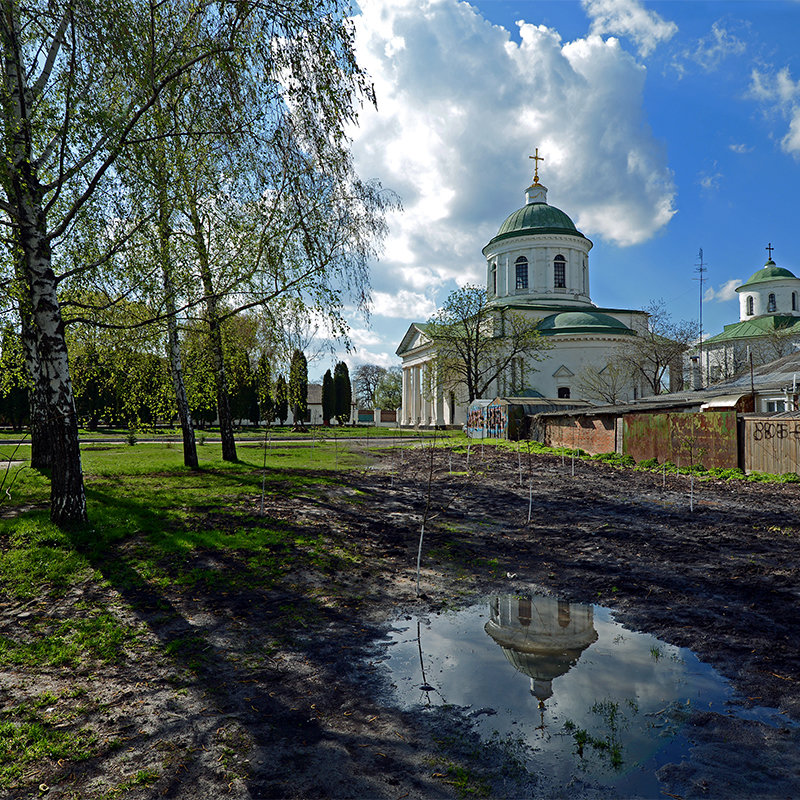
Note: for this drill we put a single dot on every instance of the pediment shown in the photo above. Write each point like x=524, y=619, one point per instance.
x=414, y=338
x=563, y=372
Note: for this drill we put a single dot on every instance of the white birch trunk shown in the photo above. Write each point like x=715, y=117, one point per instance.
x=55, y=405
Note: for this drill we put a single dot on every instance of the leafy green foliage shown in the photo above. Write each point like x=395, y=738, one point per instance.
x=263, y=388
x=13, y=380
x=328, y=397
x=389, y=393
x=281, y=399
x=343, y=392
x=297, y=394
x=614, y=459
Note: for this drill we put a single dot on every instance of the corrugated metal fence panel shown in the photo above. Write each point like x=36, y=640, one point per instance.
x=708, y=439
x=771, y=445
x=592, y=434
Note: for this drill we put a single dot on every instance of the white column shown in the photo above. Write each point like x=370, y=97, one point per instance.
x=405, y=406
x=439, y=406
x=425, y=415
x=415, y=395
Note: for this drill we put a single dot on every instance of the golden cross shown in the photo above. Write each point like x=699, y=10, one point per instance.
x=536, y=159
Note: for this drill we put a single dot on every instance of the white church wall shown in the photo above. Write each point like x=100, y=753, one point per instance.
x=781, y=289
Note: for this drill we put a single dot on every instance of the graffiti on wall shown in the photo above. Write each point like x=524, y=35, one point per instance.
x=487, y=421
x=772, y=446
x=763, y=430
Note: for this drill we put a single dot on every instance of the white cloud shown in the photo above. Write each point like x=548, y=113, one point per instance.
x=630, y=18
x=711, y=50
x=778, y=90
x=725, y=292
x=709, y=180
x=364, y=337
x=740, y=148
x=402, y=304
x=363, y=356
x=460, y=107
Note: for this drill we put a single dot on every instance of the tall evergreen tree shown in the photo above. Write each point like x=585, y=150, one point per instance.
x=281, y=399
x=298, y=388
x=328, y=397
x=263, y=383
x=344, y=392
x=14, y=405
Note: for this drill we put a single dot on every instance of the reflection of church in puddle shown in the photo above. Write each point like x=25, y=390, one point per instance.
x=542, y=637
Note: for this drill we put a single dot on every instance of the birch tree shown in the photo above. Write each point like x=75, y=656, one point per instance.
x=80, y=85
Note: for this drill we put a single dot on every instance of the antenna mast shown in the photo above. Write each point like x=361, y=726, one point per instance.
x=701, y=270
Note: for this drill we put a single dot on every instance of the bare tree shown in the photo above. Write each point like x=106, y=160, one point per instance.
x=653, y=353
x=474, y=343
x=367, y=378
x=611, y=385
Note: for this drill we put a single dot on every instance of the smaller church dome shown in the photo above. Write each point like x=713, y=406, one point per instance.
x=582, y=322
x=769, y=272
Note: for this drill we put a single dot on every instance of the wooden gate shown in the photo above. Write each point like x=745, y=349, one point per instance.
x=772, y=445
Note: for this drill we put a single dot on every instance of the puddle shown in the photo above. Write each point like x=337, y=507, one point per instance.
x=587, y=696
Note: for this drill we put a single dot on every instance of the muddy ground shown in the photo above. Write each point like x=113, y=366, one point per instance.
x=285, y=695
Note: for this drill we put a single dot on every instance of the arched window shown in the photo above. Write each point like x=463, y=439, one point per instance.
x=794, y=301
x=563, y=392
x=522, y=272
x=771, y=302
x=750, y=306
x=493, y=279
x=560, y=272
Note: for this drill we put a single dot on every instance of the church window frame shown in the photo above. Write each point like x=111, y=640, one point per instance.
x=771, y=304
x=750, y=306
x=560, y=272
x=794, y=301
x=563, y=393
x=521, y=270
x=493, y=278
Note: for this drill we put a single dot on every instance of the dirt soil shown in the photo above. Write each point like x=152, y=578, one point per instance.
x=285, y=695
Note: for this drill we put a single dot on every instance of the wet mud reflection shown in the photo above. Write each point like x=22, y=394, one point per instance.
x=587, y=696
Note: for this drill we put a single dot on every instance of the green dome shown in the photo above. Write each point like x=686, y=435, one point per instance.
x=536, y=218
x=769, y=272
x=582, y=322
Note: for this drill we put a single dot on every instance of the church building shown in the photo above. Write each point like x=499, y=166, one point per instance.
x=538, y=265
x=768, y=326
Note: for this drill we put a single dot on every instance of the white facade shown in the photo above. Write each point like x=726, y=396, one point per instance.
x=768, y=327
x=537, y=265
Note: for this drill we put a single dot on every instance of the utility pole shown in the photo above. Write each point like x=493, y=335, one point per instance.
x=701, y=270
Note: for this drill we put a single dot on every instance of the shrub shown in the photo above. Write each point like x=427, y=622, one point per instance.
x=614, y=459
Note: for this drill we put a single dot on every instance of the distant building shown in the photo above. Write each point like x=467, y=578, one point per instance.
x=538, y=265
x=768, y=327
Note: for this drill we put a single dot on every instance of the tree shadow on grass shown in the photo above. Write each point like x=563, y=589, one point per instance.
x=264, y=710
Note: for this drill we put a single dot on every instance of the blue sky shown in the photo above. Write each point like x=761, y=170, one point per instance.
x=666, y=127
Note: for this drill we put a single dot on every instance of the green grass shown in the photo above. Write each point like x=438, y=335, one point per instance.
x=24, y=743
x=246, y=433
x=168, y=518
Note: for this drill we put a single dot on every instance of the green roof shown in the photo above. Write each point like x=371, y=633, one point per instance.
x=769, y=272
x=758, y=326
x=536, y=218
x=582, y=322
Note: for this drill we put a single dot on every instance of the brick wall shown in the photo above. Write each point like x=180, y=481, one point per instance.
x=594, y=435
